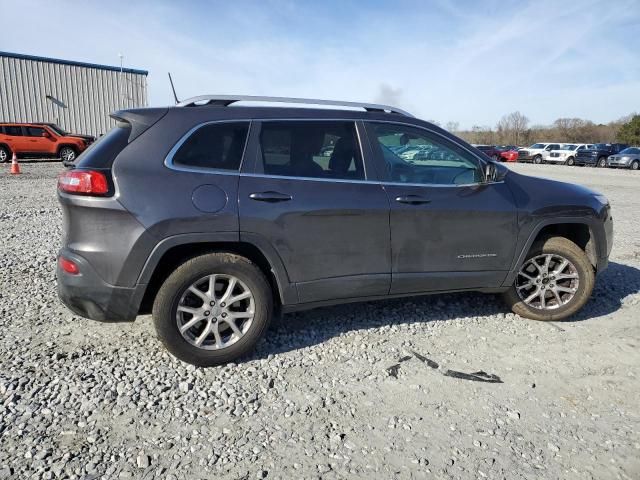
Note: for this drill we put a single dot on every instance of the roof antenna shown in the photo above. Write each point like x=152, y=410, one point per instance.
x=173, y=88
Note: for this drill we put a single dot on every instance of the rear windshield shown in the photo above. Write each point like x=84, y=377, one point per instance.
x=104, y=151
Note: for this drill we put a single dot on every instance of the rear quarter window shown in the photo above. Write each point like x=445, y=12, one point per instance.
x=216, y=146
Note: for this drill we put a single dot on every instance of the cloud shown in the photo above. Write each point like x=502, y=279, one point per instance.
x=470, y=63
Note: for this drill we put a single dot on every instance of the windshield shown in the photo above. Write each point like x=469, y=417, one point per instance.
x=538, y=145
x=568, y=147
x=601, y=146
x=631, y=151
x=57, y=129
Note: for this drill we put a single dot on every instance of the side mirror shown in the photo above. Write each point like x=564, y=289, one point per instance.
x=490, y=172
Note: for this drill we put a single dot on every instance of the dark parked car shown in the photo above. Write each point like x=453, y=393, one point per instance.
x=224, y=215
x=597, y=155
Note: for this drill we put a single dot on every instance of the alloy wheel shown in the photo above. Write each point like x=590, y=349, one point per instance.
x=215, y=312
x=547, y=282
x=67, y=154
x=635, y=165
x=3, y=155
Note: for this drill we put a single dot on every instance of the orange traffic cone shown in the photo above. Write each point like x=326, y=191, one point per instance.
x=15, y=166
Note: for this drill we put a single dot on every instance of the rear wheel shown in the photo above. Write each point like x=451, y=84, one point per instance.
x=602, y=162
x=635, y=165
x=5, y=154
x=67, y=154
x=213, y=309
x=554, y=282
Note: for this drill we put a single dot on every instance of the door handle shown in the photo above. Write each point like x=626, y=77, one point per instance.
x=412, y=199
x=270, y=197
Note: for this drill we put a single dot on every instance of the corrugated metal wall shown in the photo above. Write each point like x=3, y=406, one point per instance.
x=78, y=98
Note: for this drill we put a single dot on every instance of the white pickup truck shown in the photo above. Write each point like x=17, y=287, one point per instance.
x=535, y=152
x=566, y=154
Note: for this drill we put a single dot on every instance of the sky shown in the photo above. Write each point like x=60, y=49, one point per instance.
x=463, y=61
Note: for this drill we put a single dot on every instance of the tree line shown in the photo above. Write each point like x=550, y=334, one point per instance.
x=514, y=129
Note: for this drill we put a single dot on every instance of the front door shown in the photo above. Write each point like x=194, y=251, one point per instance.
x=310, y=198
x=37, y=141
x=449, y=229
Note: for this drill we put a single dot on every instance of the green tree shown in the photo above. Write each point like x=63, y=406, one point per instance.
x=630, y=131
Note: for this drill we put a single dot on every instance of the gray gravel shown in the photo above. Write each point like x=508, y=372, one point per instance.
x=80, y=399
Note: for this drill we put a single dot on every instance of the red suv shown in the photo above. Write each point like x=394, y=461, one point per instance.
x=37, y=140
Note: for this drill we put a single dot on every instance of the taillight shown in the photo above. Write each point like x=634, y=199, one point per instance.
x=83, y=182
x=68, y=266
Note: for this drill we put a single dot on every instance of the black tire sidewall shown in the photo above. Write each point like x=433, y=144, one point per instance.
x=8, y=157
x=635, y=165
x=166, y=303
x=585, y=272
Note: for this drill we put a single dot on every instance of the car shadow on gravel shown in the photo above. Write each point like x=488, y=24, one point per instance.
x=303, y=329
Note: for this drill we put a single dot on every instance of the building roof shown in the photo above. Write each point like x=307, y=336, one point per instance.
x=71, y=62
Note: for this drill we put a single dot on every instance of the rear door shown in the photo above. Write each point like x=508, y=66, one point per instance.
x=311, y=199
x=449, y=229
x=16, y=139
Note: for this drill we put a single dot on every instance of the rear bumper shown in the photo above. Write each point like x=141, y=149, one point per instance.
x=87, y=295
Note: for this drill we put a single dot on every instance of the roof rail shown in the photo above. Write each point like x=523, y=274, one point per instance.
x=225, y=100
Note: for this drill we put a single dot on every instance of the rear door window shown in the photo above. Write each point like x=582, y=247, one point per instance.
x=216, y=146
x=13, y=130
x=313, y=149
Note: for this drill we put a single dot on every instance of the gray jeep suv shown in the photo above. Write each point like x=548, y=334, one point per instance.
x=212, y=216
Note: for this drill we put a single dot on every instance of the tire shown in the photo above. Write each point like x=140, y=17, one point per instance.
x=5, y=154
x=537, y=159
x=570, y=161
x=602, y=162
x=67, y=154
x=175, y=290
x=635, y=165
x=578, y=265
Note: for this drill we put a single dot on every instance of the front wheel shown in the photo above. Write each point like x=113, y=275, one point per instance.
x=602, y=162
x=554, y=282
x=537, y=159
x=67, y=154
x=570, y=161
x=213, y=309
x=635, y=165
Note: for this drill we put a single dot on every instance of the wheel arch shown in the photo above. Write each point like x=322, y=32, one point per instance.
x=62, y=145
x=172, y=252
x=7, y=147
x=579, y=230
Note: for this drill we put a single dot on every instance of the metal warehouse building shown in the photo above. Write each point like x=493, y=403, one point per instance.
x=77, y=96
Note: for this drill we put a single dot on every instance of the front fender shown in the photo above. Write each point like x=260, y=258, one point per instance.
x=599, y=235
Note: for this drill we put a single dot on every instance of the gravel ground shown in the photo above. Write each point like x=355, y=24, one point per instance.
x=340, y=392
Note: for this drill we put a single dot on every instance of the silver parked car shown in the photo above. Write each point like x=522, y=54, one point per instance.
x=627, y=158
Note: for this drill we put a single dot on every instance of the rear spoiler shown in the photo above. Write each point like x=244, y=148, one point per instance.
x=139, y=119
